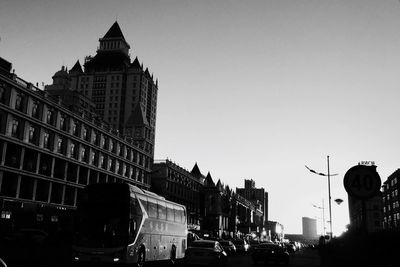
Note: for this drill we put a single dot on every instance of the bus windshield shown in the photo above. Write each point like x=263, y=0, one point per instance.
x=107, y=216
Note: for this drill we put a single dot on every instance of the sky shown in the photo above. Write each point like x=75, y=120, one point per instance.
x=247, y=89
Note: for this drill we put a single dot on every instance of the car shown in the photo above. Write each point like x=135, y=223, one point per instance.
x=253, y=243
x=205, y=253
x=228, y=246
x=290, y=247
x=241, y=245
x=270, y=252
x=192, y=237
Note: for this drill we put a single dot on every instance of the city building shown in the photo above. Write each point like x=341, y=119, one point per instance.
x=275, y=230
x=391, y=200
x=309, y=228
x=179, y=185
x=124, y=94
x=213, y=209
x=49, y=151
x=374, y=216
x=256, y=195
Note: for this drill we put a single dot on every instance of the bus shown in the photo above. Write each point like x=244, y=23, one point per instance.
x=121, y=223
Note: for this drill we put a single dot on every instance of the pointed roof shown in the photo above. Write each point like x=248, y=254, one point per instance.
x=137, y=118
x=147, y=73
x=114, y=32
x=196, y=171
x=136, y=63
x=209, y=181
x=77, y=68
x=219, y=185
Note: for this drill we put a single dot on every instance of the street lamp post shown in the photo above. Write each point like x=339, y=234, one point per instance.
x=323, y=215
x=329, y=192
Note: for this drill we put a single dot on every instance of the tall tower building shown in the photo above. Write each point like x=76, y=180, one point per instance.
x=309, y=228
x=258, y=196
x=124, y=93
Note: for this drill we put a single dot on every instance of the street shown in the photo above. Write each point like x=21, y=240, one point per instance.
x=303, y=258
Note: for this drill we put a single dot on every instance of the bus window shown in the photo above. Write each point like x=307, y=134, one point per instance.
x=152, y=208
x=170, y=212
x=162, y=210
x=178, y=215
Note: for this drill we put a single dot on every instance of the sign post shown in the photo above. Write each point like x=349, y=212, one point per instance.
x=362, y=182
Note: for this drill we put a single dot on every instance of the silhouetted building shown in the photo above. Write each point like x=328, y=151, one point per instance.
x=374, y=216
x=391, y=200
x=181, y=186
x=123, y=92
x=256, y=195
x=309, y=228
x=48, y=153
x=275, y=230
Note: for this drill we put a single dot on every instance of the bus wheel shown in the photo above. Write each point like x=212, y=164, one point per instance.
x=173, y=255
x=141, y=258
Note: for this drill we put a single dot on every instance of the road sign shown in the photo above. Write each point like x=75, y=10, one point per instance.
x=362, y=182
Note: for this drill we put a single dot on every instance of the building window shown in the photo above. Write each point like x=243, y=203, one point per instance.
x=32, y=135
x=2, y=94
x=59, y=145
x=63, y=123
x=76, y=133
x=111, y=145
x=50, y=117
x=19, y=102
x=102, y=142
x=35, y=109
x=15, y=130
x=101, y=161
x=46, y=140
x=83, y=154
x=110, y=165
x=84, y=133
x=93, y=158
x=72, y=150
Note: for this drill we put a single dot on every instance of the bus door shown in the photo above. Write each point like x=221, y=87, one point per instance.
x=156, y=251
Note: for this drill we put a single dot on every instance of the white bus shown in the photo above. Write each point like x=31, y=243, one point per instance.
x=122, y=223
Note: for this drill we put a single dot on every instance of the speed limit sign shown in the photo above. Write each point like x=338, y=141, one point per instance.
x=362, y=182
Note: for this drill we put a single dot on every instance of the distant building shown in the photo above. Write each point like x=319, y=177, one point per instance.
x=309, y=228
x=179, y=185
x=391, y=200
x=275, y=230
x=258, y=196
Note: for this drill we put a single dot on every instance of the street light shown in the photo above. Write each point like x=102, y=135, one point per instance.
x=323, y=215
x=329, y=192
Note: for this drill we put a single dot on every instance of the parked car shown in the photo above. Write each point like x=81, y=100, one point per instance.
x=270, y=252
x=241, y=245
x=206, y=253
x=192, y=237
x=228, y=246
x=290, y=247
x=253, y=243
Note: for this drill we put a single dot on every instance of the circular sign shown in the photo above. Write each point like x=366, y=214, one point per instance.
x=362, y=182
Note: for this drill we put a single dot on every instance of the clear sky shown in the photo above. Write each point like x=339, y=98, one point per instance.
x=247, y=89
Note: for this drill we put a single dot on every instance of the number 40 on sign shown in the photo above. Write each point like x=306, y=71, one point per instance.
x=362, y=182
